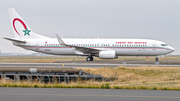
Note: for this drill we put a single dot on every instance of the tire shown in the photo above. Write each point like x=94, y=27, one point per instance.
x=88, y=59
x=156, y=59
x=92, y=58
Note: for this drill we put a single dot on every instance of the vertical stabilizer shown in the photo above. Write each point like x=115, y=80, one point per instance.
x=20, y=28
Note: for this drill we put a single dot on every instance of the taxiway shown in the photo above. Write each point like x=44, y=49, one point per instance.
x=65, y=94
x=82, y=65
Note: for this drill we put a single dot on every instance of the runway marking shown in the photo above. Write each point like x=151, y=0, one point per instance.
x=92, y=95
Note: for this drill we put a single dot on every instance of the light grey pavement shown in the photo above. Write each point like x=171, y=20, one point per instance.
x=84, y=65
x=65, y=94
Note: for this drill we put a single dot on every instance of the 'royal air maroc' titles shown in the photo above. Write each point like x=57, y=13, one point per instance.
x=24, y=37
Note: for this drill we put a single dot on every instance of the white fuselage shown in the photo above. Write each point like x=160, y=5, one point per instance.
x=26, y=38
x=122, y=47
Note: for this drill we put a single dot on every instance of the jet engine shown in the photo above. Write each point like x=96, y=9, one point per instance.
x=107, y=55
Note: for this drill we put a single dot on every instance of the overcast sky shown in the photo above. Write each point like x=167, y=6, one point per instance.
x=147, y=19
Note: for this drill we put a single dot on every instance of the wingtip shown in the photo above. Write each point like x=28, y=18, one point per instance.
x=60, y=40
x=57, y=35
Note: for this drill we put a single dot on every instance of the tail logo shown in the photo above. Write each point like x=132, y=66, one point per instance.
x=26, y=31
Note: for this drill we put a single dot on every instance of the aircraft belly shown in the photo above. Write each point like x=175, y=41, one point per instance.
x=58, y=51
x=140, y=52
x=119, y=52
x=157, y=52
x=132, y=52
x=64, y=51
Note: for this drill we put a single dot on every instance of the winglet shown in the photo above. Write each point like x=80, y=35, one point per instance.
x=60, y=40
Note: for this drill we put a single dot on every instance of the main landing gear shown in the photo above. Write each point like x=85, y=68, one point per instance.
x=156, y=59
x=89, y=58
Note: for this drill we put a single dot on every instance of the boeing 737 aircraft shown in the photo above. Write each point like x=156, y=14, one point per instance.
x=103, y=48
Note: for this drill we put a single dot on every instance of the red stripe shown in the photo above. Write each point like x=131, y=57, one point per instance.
x=96, y=47
x=24, y=25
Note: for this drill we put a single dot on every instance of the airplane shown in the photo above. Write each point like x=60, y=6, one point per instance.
x=103, y=48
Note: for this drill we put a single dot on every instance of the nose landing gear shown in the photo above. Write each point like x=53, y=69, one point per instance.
x=156, y=59
x=89, y=58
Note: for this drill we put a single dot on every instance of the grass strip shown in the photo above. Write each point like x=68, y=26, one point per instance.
x=98, y=85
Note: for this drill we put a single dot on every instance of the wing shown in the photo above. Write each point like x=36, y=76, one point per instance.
x=81, y=49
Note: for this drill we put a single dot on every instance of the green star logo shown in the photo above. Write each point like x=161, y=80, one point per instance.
x=26, y=32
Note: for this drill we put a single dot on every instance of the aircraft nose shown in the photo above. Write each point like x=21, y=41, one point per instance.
x=171, y=49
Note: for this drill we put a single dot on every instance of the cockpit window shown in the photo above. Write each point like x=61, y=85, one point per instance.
x=164, y=44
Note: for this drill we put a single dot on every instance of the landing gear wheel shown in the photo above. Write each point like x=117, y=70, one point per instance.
x=156, y=59
x=92, y=58
x=89, y=59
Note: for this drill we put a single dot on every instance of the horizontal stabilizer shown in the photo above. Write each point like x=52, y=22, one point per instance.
x=15, y=40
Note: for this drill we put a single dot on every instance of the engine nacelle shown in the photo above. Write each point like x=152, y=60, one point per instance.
x=107, y=55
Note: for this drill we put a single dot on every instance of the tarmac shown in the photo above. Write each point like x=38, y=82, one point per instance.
x=82, y=65
x=65, y=94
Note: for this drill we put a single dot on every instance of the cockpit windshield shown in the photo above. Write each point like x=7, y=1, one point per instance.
x=164, y=44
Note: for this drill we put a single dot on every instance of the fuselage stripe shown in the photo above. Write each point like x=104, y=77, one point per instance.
x=95, y=47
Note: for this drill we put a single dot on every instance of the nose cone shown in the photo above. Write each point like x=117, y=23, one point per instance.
x=171, y=49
